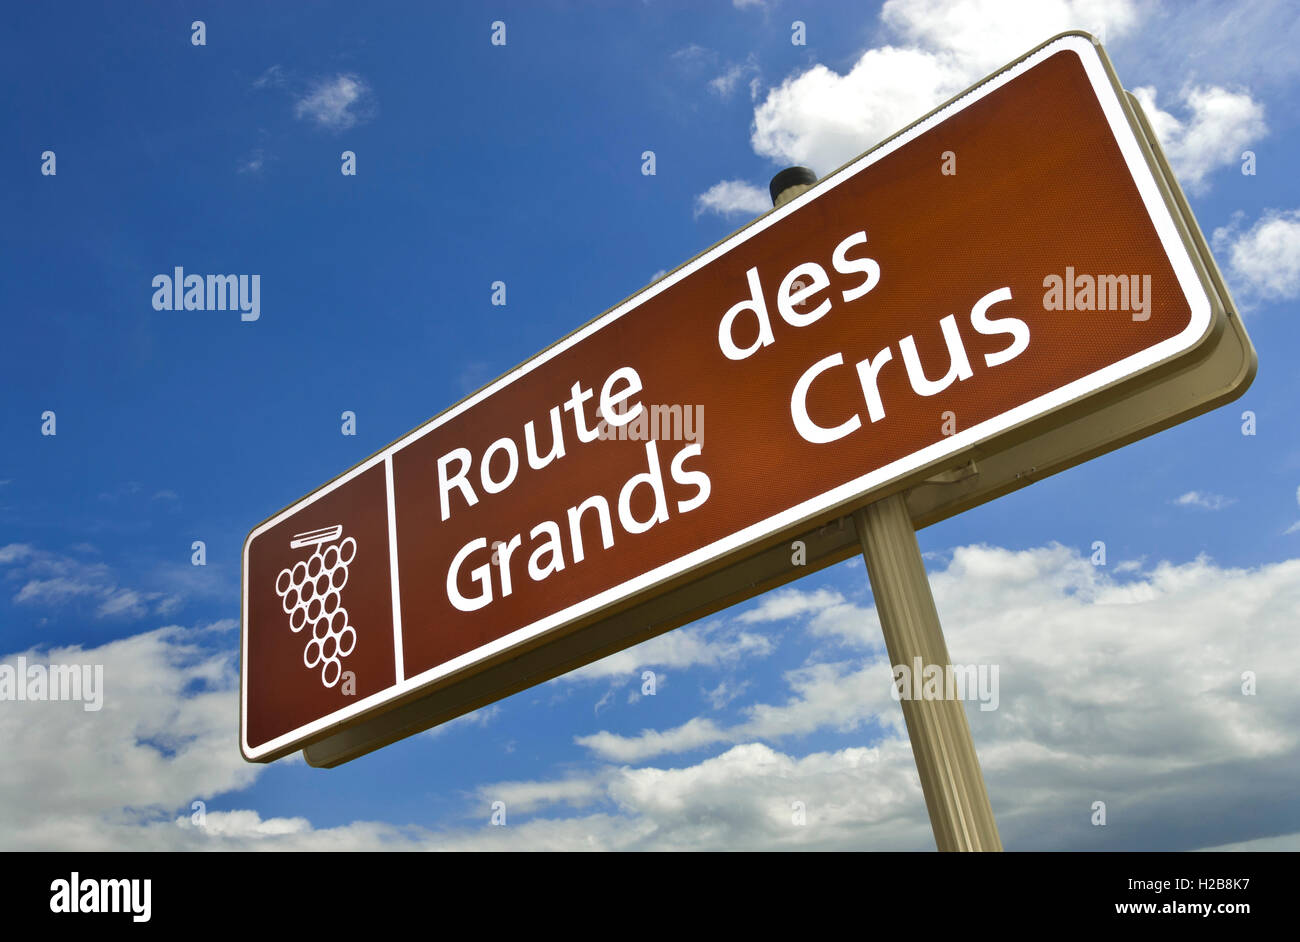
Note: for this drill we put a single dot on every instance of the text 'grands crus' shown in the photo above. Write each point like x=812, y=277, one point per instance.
x=465, y=478
x=803, y=283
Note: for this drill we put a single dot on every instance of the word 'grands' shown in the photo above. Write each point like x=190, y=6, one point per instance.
x=665, y=487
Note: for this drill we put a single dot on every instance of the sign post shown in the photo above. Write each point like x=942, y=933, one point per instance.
x=961, y=816
x=955, y=796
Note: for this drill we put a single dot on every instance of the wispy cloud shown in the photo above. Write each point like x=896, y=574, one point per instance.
x=479, y=718
x=707, y=645
x=1205, y=501
x=54, y=580
x=725, y=85
x=336, y=103
x=1295, y=526
x=273, y=77
x=253, y=163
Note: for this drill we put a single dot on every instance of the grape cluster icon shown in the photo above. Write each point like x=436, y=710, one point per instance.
x=311, y=593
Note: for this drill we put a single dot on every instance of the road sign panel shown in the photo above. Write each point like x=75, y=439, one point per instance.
x=892, y=323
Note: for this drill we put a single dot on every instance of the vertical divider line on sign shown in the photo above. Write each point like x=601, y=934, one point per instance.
x=399, y=668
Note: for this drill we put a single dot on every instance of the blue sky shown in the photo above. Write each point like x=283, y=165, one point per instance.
x=522, y=163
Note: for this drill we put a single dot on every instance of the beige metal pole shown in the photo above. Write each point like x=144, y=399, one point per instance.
x=955, y=796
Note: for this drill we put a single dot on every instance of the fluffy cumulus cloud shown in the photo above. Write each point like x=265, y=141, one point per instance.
x=1263, y=258
x=1126, y=689
x=822, y=118
x=1121, y=684
x=101, y=779
x=733, y=198
x=1219, y=125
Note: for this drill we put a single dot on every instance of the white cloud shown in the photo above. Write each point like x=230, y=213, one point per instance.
x=725, y=85
x=650, y=742
x=480, y=718
x=273, y=77
x=522, y=797
x=697, y=646
x=725, y=692
x=986, y=34
x=694, y=53
x=1225, y=42
x=87, y=780
x=125, y=602
x=1295, y=526
x=1283, y=842
x=733, y=197
x=55, y=591
x=252, y=164
x=825, y=696
x=1264, y=260
x=789, y=603
x=250, y=825
x=1220, y=124
x=54, y=580
x=822, y=118
x=1125, y=688
x=1204, y=501
x=13, y=552
x=1120, y=689
x=336, y=103
x=831, y=615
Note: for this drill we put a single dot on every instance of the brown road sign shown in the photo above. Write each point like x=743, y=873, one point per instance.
x=972, y=294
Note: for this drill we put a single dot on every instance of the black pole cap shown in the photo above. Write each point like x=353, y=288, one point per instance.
x=790, y=176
